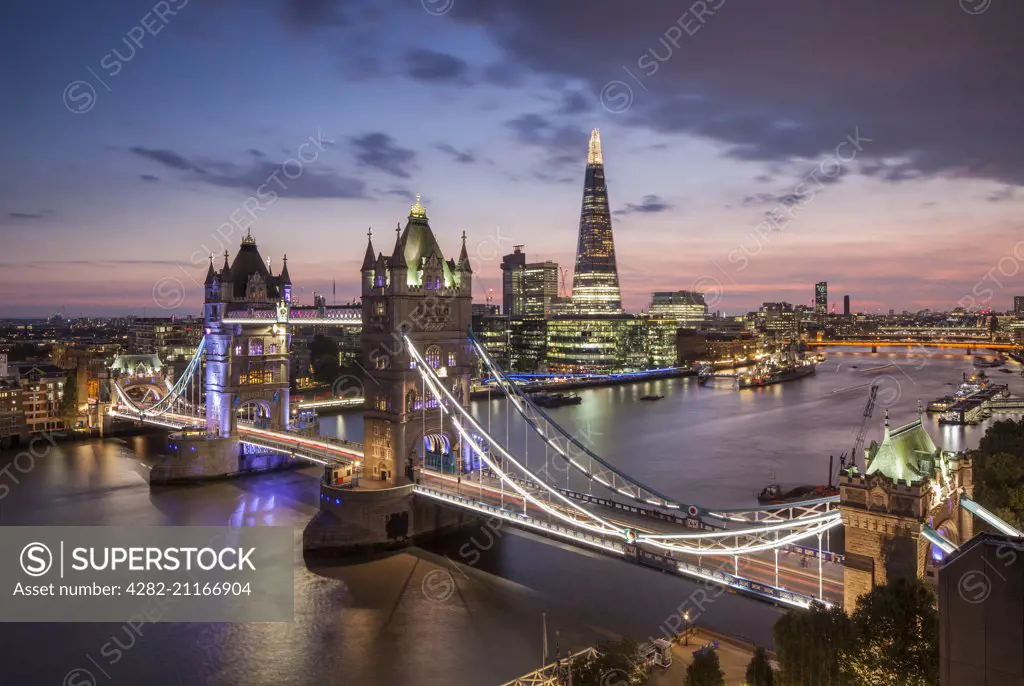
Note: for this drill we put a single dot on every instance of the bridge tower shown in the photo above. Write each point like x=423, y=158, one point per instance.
x=908, y=483
x=247, y=366
x=418, y=293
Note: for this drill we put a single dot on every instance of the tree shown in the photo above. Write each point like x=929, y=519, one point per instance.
x=705, y=670
x=897, y=636
x=69, y=400
x=999, y=471
x=759, y=671
x=809, y=646
x=616, y=664
x=1004, y=436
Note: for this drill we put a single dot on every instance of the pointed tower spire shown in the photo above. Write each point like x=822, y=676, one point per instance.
x=464, y=257
x=283, y=278
x=594, y=149
x=368, y=259
x=398, y=256
x=887, y=418
x=225, y=272
x=211, y=275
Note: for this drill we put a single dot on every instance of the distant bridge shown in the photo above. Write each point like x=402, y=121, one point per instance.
x=926, y=343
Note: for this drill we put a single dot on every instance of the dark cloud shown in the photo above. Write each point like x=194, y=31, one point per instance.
x=29, y=216
x=460, y=156
x=649, y=204
x=503, y=74
x=149, y=177
x=307, y=14
x=167, y=158
x=310, y=180
x=379, y=151
x=432, y=66
x=565, y=144
x=574, y=102
x=256, y=153
x=790, y=82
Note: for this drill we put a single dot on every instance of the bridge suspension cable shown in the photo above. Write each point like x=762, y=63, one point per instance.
x=617, y=481
x=582, y=515
x=172, y=396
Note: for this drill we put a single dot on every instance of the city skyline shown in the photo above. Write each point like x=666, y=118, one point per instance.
x=130, y=156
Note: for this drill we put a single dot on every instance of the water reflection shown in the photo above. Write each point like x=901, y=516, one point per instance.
x=372, y=623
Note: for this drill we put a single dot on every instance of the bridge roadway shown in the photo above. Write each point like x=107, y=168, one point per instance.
x=758, y=567
x=325, y=451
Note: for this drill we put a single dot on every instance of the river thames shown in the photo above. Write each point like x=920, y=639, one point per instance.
x=467, y=611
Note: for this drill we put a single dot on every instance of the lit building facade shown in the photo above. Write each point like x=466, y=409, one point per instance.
x=42, y=387
x=528, y=290
x=821, y=297
x=12, y=413
x=779, y=320
x=527, y=344
x=688, y=308
x=595, y=286
x=595, y=343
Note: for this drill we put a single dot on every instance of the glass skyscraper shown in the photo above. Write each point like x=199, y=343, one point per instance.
x=595, y=284
x=821, y=297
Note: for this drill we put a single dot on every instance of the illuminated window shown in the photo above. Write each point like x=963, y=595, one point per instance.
x=378, y=307
x=433, y=356
x=255, y=346
x=451, y=359
x=380, y=362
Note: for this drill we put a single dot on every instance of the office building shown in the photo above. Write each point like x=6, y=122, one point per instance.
x=528, y=289
x=821, y=297
x=1018, y=306
x=485, y=310
x=779, y=320
x=686, y=307
x=594, y=343
x=512, y=266
x=527, y=344
x=846, y=306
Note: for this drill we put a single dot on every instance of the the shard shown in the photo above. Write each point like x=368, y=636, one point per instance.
x=595, y=285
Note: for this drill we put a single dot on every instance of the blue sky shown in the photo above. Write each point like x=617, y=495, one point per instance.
x=121, y=167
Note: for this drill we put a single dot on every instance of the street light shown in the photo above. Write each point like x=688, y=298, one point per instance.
x=686, y=627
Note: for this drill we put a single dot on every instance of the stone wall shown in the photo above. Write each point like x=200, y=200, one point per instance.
x=199, y=458
x=353, y=521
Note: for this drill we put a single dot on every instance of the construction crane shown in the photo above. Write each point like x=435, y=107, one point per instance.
x=858, y=443
x=563, y=291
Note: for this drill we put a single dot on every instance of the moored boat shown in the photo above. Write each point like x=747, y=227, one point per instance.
x=545, y=399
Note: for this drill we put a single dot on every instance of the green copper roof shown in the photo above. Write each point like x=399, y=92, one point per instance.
x=419, y=243
x=901, y=452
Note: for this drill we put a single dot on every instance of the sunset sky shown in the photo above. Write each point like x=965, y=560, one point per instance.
x=121, y=163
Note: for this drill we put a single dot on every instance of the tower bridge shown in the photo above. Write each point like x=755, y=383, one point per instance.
x=428, y=466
